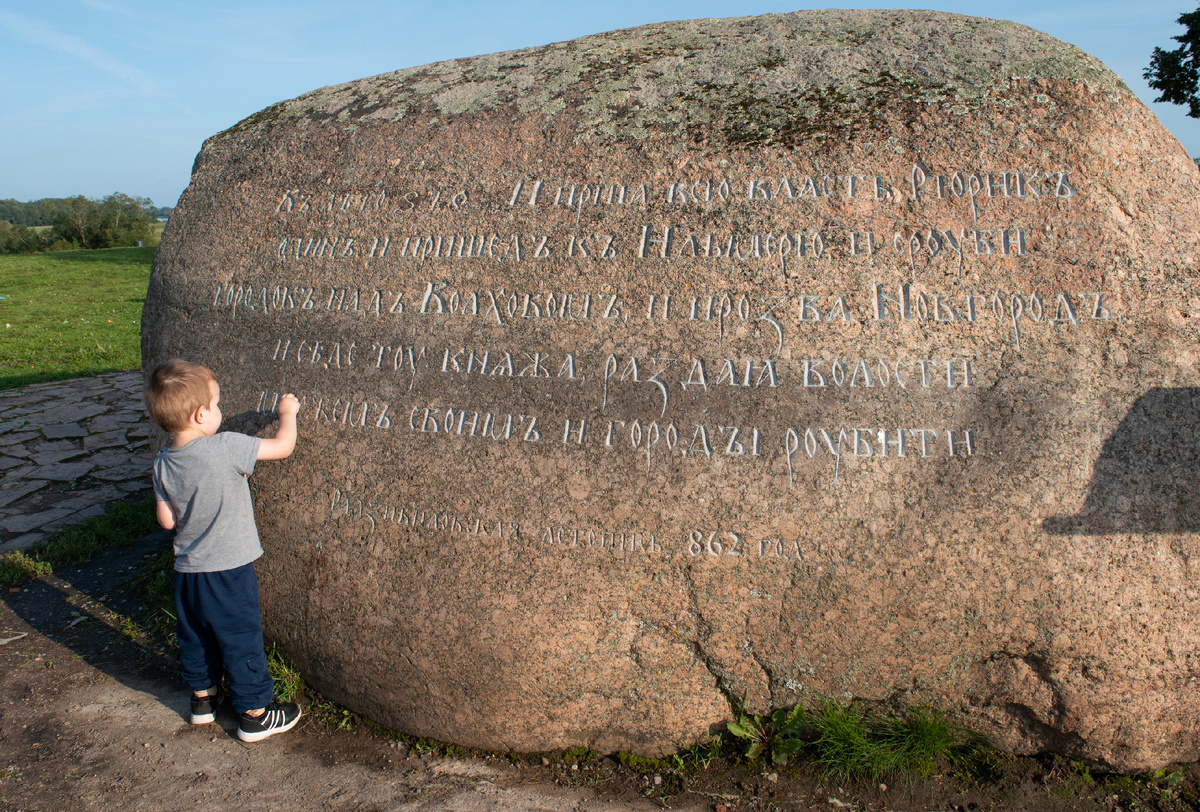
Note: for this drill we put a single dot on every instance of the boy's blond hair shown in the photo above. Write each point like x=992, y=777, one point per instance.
x=175, y=391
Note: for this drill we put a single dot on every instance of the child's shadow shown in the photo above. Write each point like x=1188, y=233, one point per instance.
x=249, y=422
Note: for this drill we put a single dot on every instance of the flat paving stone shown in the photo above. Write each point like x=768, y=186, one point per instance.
x=67, y=396
x=140, y=430
x=110, y=439
x=64, y=430
x=92, y=384
x=51, y=457
x=23, y=524
x=61, y=471
x=111, y=422
x=11, y=425
x=55, y=445
x=17, y=451
x=10, y=462
x=10, y=439
x=72, y=413
x=135, y=485
x=55, y=389
x=75, y=518
x=20, y=411
x=109, y=493
x=21, y=543
x=110, y=457
x=120, y=473
x=35, y=396
x=10, y=495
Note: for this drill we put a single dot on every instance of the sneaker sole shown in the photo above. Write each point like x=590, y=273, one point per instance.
x=203, y=719
x=256, y=737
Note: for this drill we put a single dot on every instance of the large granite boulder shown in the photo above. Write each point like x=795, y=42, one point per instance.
x=831, y=354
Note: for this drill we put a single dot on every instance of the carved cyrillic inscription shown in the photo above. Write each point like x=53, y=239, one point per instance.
x=873, y=442
x=329, y=355
x=379, y=514
x=616, y=541
x=539, y=192
x=731, y=545
x=308, y=202
x=344, y=411
x=921, y=184
x=660, y=376
x=664, y=241
x=650, y=439
x=773, y=320
x=648, y=402
x=495, y=426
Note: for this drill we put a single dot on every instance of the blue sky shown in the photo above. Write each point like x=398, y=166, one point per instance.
x=99, y=96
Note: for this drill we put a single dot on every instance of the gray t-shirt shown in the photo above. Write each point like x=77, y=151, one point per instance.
x=205, y=481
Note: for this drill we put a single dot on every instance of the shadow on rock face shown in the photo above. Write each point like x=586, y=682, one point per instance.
x=1147, y=478
x=249, y=422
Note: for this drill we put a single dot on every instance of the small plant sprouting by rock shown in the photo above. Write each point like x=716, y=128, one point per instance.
x=575, y=755
x=852, y=742
x=776, y=736
x=698, y=756
x=288, y=682
x=642, y=764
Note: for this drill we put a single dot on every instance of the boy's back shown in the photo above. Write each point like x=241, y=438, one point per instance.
x=205, y=484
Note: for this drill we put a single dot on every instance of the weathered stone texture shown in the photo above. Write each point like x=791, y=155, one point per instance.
x=883, y=329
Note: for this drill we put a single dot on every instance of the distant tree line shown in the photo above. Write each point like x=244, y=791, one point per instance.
x=33, y=213
x=76, y=222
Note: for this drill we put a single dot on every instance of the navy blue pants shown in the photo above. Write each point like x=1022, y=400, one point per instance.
x=220, y=632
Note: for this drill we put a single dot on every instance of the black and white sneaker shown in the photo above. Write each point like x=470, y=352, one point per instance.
x=204, y=708
x=278, y=717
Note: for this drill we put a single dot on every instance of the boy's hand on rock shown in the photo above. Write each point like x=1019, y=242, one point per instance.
x=288, y=404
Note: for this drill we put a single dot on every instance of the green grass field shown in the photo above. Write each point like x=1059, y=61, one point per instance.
x=71, y=313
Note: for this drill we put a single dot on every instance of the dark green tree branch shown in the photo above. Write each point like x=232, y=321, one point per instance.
x=1176, y=74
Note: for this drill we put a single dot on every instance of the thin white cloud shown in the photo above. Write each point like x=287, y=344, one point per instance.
x=38, y=33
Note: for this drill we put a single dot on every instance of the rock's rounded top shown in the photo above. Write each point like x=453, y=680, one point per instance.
x=663, y=78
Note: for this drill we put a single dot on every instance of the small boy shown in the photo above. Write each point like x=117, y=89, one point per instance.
x=201, y=490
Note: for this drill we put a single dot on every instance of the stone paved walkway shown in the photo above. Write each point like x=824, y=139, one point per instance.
x=67, y=449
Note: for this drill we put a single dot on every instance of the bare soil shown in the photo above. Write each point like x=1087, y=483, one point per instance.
x=93, y=716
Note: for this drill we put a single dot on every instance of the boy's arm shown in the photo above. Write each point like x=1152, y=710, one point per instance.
x=284, y=441
x=165, y=514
